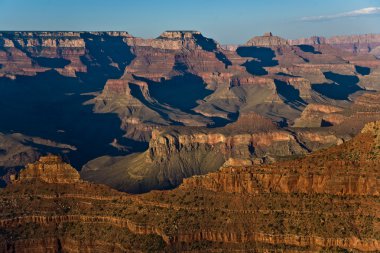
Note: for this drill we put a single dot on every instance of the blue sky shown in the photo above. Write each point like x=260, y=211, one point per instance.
x=227, y=21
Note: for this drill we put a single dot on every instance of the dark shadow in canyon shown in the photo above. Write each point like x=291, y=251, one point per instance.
x=264, y=57
x=102, y=54
x=5, y=172
x=51, y=106
x=205, y=43
x=325, y=123
x=364, y=71
x=180, y=64
x=223, y=58
x=308, y=49
x=285, y=74
x=221, y=122
x=51, y=62
x=211, y=46
x=45, y=62
x=180, y=92
x=137, y=93
x=341, y=88
x=289, y=94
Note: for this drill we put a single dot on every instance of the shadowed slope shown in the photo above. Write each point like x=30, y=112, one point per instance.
x=264, y=58
x=51, y=106
x=327, y=201
x=343, y=86
x=181, y=91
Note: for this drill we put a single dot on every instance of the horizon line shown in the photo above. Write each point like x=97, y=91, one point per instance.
x=124, y=31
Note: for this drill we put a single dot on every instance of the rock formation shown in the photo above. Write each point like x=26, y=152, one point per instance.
x=178, y=94
x=16, y=150
x=366, y=43
x=176, y=153
x=267, y=40
x=50, y=169
x=326, y=201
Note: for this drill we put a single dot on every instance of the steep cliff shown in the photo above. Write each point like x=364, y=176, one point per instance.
x=46, y=79
x=268, y=75
x=49, y=209
x=106, y=93
x=326, y=201
x=178, y=153
x=16, y=150
x=267, y=40
x=49, y=169
x=366, y=43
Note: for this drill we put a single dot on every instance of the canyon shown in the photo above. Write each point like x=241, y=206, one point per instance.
x=324, y=201
x=114, y=143
x=143, y=114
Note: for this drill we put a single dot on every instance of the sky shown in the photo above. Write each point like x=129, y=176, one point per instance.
x=227, y=21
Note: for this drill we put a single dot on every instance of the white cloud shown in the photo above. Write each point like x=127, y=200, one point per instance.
x=355, y=13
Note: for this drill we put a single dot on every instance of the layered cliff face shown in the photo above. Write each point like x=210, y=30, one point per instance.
x=267, y=40
x=46, y=79
x=26, y=53
x=176, y=153
x=366, y=43
x=326, y=201
x=105, y=93
x=316, y=115
x=167, y=79
x=346, y=169
x=16, y=150
x=334, y=179
x=49, y=169
x=268, y=75
x=49, y=209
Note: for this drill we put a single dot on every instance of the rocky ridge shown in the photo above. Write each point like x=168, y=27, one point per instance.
x=324, y=201
x=176, y=86
x=175, y=154
x=366, y=43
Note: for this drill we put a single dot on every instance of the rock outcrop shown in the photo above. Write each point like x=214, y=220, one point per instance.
x=50, y=169
x=366, y=43
x=27, y=53
x=326, y=201
x=316, y=115
x=267, y=40
x=175, y=153
x=123, y=90
x=311, y=174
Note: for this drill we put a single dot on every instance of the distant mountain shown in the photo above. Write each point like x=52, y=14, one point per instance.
x=366, y=43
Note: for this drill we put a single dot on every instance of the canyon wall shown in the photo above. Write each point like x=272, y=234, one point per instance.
x=177, y=95
x=325, y=201
x=175, y=154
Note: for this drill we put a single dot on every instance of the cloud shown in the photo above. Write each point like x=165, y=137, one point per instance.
x=355, y=13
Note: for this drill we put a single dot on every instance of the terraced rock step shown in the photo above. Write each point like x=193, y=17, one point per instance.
x=130, y=93
x=325, y=201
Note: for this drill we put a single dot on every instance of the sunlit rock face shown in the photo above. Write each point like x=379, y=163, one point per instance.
x=267, y=40
x=250, y=147
x=32, y=52
x=366, y=43
x=101, y=95
x=50, y=169
x=306, y=204
x=177, y=153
